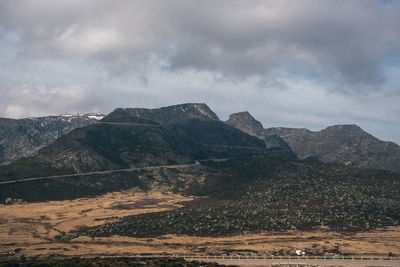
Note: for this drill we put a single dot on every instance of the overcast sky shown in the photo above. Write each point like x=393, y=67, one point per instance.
x=289, y=63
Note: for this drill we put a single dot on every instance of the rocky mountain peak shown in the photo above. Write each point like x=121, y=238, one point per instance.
x=349, y=128
x=165, y=115
x=246, y=122
x=192, y=111
x=345, y=127
x=204, y=110
x=121, y=115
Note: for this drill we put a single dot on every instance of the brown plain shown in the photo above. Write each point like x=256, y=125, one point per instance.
x=30, y=229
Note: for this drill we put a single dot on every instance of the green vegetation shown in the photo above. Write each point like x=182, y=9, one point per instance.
x=264, y=194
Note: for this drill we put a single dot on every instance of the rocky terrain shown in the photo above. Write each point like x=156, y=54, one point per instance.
x=344, y=144
x=25, y=137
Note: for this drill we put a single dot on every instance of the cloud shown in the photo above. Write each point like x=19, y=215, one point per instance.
x=348, y=40
x=292, y=63
x=27, y=101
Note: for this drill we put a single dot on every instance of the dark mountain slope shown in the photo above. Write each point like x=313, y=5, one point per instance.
x=24, y=137
x=104, y=147
x=217, y=133
x=122, y=140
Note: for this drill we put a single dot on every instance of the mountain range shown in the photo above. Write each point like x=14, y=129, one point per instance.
x=344, y=144
x=128, y=138
x=180, y=133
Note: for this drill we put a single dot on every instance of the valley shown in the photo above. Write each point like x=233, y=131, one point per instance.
x=31, y=228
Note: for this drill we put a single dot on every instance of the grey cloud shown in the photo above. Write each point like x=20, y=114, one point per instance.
x=344, y=39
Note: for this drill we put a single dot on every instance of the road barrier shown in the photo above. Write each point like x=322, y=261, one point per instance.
x=259, y=257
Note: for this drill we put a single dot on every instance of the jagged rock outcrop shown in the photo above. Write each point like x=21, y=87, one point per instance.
x=248, y=124
x=245, y=122
x=24, y=137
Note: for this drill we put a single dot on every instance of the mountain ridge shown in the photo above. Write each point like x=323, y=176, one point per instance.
x=128, y=138
x=169, y=114
x=344, y=144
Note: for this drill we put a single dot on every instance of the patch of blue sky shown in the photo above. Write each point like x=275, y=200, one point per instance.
x=386, y=2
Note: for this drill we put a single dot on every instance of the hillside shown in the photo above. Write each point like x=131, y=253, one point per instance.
x=128, y=139
x=344, y=144
x=255, y=194
x=248, y=193
x=25, y=137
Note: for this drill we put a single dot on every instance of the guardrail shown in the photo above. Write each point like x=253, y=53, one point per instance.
x=228, y=257
x=260, y=257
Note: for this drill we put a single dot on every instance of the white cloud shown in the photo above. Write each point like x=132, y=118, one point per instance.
x=89, y=41
x=27, y=100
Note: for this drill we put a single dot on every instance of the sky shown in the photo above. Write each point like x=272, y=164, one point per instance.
x=289, y=63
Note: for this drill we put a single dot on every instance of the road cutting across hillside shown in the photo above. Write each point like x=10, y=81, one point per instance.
x=174, y=166
x=128, y=123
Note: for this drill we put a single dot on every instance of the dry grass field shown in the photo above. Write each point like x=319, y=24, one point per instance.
x=30, y=229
